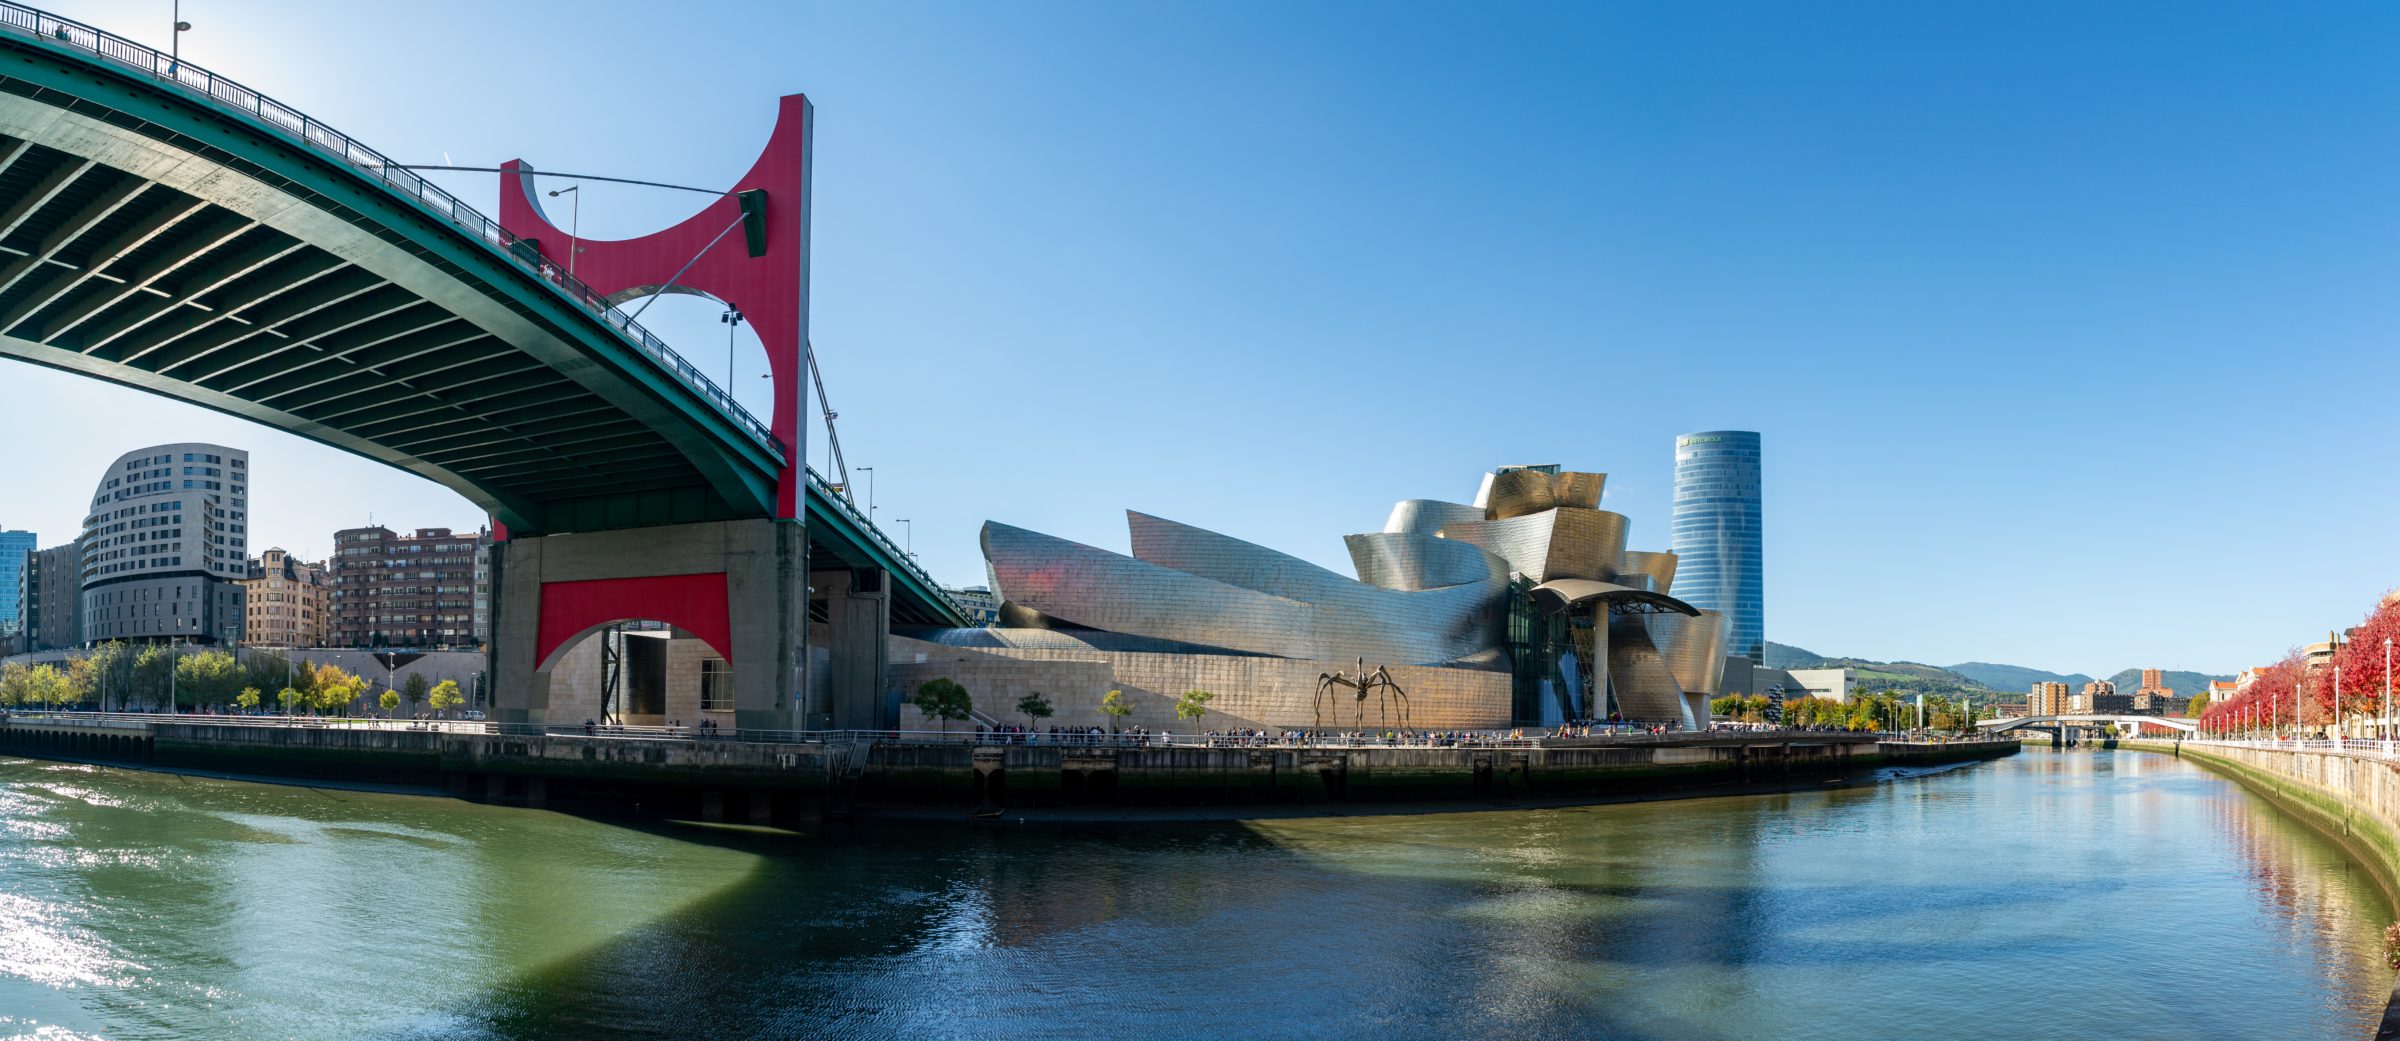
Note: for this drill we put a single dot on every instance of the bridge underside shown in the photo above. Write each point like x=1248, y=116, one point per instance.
x=173, y=249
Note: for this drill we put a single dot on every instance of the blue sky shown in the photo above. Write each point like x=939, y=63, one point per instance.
x=2067, y=326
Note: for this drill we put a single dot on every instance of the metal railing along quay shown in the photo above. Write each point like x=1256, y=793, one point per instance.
x=324, y=140
x=2355, y=747
x=630, y=732
x=136, y=720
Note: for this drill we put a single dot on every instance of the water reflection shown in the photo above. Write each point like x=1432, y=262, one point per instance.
x=2053, y=895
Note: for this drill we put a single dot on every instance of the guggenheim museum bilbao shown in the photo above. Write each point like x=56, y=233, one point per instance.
x=1524, y=607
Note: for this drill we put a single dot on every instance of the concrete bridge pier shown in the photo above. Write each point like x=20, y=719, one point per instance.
x=738, y=586
x=856, y=604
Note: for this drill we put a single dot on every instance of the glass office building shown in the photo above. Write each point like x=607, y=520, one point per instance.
x=1718, y=537
x=14, y=545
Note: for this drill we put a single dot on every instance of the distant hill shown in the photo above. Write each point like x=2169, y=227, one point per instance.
x=1967, y=678
x=2016, y=678
x=1786, y=656
x=1877, y=675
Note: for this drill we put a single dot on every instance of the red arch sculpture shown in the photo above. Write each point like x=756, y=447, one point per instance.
x=771, y=289
x=694, y=603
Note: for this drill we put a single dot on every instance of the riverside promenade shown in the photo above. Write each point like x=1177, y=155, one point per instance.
x=799, y=776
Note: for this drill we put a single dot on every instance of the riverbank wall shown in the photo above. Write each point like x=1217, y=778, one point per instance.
x=766, y=782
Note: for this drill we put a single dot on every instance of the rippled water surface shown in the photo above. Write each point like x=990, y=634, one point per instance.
x=2052, y=895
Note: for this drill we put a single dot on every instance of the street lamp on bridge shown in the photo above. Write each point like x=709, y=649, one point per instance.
x=574, y=224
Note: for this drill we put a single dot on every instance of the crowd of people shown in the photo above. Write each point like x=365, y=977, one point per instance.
x=1615, y=725
x=1259, y=737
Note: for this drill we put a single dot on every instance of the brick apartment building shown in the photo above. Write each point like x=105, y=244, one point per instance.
x=427, y=590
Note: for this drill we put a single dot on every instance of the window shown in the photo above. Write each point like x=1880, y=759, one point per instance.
x=716, y=685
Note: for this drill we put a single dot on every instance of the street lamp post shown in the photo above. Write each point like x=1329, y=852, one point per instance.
x=909, y=532
x=870, y=472
x=574, y=224
x=175, y=39
x=733, y=320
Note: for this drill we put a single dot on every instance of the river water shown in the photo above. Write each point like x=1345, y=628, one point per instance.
x=2068, y=895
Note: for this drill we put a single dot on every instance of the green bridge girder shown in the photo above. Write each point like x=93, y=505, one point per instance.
x=154, y=237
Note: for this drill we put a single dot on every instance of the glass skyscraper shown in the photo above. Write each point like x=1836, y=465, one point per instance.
x=1720, y=559
x=14, y=545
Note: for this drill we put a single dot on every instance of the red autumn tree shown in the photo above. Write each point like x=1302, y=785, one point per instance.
x=2362, y=659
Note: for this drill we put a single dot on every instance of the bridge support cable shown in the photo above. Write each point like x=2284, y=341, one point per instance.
x=563, y=176
x=836, y=467
x=687, y=266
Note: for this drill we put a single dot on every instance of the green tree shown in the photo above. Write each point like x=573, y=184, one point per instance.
x=1116, y=706
x=152, y=674
x=267, y=670
x=444, y=696
x=415, y=690
x=292, y=700
x=209, y=678
x=331, y=688
x=112, y=665
x=1035, y=707
x=16, y=684
x=942, y=699
x=247, y=700
x=390, y=699
x=34, y=686
x=1193, y=705
x=82, y=679
x=2198, y=705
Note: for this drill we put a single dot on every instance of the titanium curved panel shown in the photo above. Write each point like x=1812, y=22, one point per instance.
x=1558, y=595
x=1553, y=544
x=1386, y=626
x=1519, y=493
x=1427, y=516
x=1409, y=562
x=1659, y=566
x=1091, y=587
x=1087, y=640
x=1645, y=687
x=1340, y=619
x=1694, y=649
x=1579, y=488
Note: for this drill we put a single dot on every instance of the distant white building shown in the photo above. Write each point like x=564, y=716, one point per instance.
x=1831, y=684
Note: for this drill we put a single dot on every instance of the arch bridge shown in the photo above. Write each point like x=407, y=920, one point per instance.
x=168, y=229
x=2090, y=719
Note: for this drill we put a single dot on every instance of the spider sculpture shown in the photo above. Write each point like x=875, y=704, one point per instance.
x=1377, y=683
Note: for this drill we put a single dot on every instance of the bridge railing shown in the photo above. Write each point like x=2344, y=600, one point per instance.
x=907, y=560
x=164, y=68
x=2356, y=747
